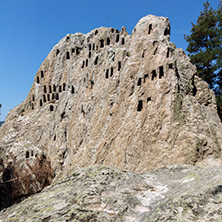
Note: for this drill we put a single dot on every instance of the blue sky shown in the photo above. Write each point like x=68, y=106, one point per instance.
x=30, y=28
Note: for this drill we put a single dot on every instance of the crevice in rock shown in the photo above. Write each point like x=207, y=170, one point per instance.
x=154, y=75
x=146, y=76
x=194, y=91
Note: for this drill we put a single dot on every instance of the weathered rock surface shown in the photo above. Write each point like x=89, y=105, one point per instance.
x=107, y=97
x=99, y=193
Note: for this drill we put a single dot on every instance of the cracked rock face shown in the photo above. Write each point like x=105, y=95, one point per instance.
x=107, y=97
x=100, y=193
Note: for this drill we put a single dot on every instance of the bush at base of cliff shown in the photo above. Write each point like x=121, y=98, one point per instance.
x=22, y=179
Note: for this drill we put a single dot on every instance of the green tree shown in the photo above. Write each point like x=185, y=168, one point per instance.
x=218, y=90
x=205, y=49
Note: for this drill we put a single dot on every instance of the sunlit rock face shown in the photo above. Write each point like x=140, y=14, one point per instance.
x=107, y=97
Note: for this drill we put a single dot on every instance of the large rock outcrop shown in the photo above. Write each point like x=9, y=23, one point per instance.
x=100, y=193
x=107, y=97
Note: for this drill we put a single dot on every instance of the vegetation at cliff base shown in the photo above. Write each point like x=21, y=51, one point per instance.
x=205, y=49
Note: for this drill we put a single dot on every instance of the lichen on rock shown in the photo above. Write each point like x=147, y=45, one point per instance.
x=100, y=193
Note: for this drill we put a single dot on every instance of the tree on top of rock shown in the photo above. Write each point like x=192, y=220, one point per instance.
x=205, y=48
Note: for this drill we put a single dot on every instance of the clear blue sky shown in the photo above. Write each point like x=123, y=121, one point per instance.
x=30, y=28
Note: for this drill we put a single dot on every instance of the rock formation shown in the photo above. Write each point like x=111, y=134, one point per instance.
x=107, y=97
x=100, y=193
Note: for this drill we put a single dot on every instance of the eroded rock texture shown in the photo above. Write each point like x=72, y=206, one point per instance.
x=107, y=97
x=100, y=193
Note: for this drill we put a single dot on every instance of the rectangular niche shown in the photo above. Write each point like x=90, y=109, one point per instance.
x=107, y=74
x=148, y=100
x=139, y=82
x=51, y=108
x=161, y=74
x=111, y=71
x=140, y=105
x=119, y=65
x=67, y=55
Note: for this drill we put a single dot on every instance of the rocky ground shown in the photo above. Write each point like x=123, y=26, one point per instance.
x=100, y=193
x=132, y=102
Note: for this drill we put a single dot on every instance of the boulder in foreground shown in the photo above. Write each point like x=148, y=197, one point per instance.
x=100, y=193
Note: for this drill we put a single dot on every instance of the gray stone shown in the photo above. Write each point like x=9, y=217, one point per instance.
x=100, y=193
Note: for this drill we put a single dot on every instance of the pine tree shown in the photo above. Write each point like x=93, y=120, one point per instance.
x=218, y=90
x=205, y=48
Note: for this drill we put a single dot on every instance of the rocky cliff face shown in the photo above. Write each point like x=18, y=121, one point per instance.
x=107, y=97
